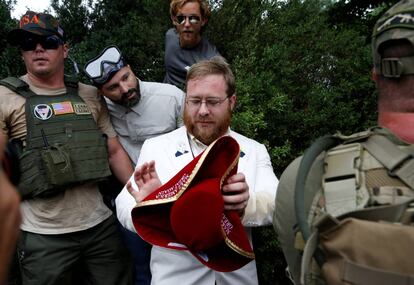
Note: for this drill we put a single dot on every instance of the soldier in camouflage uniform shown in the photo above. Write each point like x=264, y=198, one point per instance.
x=355, y=176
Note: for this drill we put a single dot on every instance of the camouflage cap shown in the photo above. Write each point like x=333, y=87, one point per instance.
x=35, y=23
x=397, y=23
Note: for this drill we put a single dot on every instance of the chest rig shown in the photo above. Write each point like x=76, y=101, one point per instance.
x=64, y=146
x=359, y=229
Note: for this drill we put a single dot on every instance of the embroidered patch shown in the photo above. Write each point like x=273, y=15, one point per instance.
x=173, y=190
x=226, y=225
x=81, y=109
x=61, y=108
x=43, y=112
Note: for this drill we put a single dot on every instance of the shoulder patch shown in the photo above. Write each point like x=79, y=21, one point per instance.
x=61, y=108
x=81, y=109
x=42, y=112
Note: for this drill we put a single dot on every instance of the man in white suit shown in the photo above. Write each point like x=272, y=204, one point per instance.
x=210, y=100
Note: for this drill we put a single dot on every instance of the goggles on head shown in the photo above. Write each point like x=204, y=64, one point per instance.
x=100, y=68
x=180, y=19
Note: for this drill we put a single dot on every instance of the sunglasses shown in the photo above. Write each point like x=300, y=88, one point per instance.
x=100, y=68
x=180, y=20
x=50, y=42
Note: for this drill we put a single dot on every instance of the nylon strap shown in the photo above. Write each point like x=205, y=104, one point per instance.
x=394, y=67
x=364, y=275
x=398, y=162
x=389, y=213
x=308, y=252
x=17, y=85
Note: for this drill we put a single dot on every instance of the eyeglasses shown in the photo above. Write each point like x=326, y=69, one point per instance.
x=50, y=42
x=100, y=68
x=180, y=19
x=210, y=102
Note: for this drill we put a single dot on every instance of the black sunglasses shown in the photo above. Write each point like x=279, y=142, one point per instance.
x=50, y=42
x=180, y=20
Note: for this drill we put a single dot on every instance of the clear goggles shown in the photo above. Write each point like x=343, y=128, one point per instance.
x=100, y=68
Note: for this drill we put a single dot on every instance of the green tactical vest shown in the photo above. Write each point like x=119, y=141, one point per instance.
x=64, y=146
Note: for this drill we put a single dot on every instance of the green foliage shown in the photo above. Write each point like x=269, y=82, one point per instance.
x=298, y=76
x=10, y=63
x=127, y=24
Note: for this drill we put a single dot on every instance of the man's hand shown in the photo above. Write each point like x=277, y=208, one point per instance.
x=147, y=180
x=236, y=193
x=10, y=218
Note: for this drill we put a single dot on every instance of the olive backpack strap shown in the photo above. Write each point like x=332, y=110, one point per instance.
x=320, y=145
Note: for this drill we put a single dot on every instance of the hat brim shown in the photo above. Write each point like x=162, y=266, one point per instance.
x=151, y=217
x=16, y=36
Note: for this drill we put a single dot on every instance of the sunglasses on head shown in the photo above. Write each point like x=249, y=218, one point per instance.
x=180, y=20
x=100, y=68
x=49, y=42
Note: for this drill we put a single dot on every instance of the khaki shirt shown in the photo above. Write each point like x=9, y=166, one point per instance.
x=76, y=209
x=159, y=111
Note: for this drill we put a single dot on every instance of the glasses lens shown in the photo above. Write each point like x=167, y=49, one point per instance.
x=51, y=42
x=180, y=19
x=28, y=44
x=193, y=19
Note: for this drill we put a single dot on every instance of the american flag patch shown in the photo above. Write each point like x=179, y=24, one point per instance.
x=61, y=108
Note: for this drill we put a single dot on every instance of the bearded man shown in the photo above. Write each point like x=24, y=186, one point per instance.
x=210, y=101
x=139, y=110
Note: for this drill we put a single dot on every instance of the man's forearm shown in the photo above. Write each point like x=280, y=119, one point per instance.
x=119, y=161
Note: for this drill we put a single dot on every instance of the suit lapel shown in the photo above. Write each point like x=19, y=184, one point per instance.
x=179, y=149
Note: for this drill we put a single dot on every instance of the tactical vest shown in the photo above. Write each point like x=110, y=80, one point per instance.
x=359, y=229
x=64, y=146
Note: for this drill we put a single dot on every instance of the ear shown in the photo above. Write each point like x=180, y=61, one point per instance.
x=204, y=21
x=173, y=22
x=65, y=50
x=374, y=75
x=233, y=100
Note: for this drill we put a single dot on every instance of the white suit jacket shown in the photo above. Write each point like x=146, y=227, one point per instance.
x=171, y=152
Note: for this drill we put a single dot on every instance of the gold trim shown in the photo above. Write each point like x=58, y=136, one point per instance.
x=230, y=168
x=237, y=249
x=192, y=175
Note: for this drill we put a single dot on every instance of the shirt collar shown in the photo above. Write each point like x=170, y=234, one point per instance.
x=197, y=146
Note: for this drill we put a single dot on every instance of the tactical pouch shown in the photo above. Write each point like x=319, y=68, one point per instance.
x=44, y=171
x=368, y=246
x=57, y=165
x=366, y=252
x=33, y=174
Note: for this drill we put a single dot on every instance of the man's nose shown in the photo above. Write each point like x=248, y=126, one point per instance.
x=39, y=47
x=187, y=22
x=123, y=87
x=203, y=110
